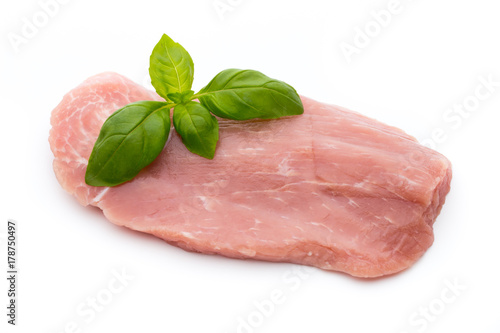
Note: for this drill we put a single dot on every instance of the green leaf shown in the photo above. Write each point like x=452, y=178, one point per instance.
x=182, y=97
x=130, y=139
x=170, y=67
x=197, y=127
x=247, y=94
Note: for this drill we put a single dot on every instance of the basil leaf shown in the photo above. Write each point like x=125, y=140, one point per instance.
x=171, y=67
x=130, y=139
x=246, y=94
x=197, y=127
x=182, y=97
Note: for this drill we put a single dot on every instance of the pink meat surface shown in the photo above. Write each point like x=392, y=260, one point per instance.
x=330, y=188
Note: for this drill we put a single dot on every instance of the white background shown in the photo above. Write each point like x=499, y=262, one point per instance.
x=428, y=58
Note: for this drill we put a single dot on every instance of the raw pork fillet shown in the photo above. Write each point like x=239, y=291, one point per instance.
x=330, y=188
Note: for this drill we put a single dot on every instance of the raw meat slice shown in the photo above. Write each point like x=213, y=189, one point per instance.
x=330, y=188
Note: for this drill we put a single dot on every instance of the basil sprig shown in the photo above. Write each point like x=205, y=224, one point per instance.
x=133, y=136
